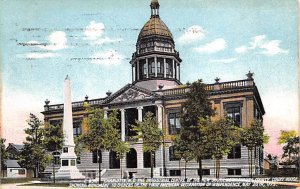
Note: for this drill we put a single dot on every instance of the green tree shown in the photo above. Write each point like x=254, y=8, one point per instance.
x=151, y=135
x=53, y=137
x=196, y=106
x=253, y=137
x=33, y=156
x=291, y=150
x=286, y=135
x=3, y=154
x=103, y=133
x=182, y=147
x=121, y=149
x=219, y=137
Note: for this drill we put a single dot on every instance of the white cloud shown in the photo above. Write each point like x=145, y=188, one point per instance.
x=40, y=55
x=57, y=41
x=212, y=47
x=264, y=46
x=105, y=40
x=94, y=30
x=241, y=49
x=224, y=60
x=192, y=34
x=109, y=57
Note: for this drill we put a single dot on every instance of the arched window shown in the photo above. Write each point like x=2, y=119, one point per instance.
x=152, y=67
x=145, y=70
x=131, y=158
x=158, y=67
x=114, y=163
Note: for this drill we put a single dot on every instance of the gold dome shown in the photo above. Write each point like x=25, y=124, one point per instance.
x=155, y=26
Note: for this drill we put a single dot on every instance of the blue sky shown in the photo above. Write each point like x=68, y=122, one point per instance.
x=92, y=41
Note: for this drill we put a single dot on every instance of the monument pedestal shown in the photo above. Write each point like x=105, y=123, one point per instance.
x=68, y=169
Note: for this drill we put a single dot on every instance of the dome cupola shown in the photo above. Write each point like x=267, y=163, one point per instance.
x=155, y=62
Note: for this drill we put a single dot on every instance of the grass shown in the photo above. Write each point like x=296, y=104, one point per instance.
x=16, y=180
x=48, y=184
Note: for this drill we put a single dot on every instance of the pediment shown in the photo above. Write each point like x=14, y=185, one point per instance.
x=131, y=93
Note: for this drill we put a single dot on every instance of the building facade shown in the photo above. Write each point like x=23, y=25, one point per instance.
x=156, y=87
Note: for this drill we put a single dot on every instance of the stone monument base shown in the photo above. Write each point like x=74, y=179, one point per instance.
x=68, y=173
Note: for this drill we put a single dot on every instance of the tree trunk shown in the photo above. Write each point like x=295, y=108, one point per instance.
x=219, y=164
x=255, y=154
x=179, y=167
x=151, y=162
x=37, y=170
x=121, y=167
x=251, y=161
x=185, y=169
x=99, y=168
x=215, y=167
x=200, y=169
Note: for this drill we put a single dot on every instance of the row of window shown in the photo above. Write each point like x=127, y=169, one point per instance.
x=207, y=172
x=149, y=44
x=150, y=69
x=234, y=112
x=234, y=153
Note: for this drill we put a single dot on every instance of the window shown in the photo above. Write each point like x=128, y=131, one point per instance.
x=172, y=156
x=175, y=173
x=169, y=71
x=65, y=150
x=78, y=160
x=95, y=157
x=151, y=66
x=77, y=126
x=56, y=122
x=145, y=70
x=235, y=152
x=174, y=123
x=158, y=67
x=21, y=171
x=73, y=162
x=64, y=162
x=56, y=160
x=204, y=172
x=234, y=172
x=233, y=111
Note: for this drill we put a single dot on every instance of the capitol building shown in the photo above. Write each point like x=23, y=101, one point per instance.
x=156, y=87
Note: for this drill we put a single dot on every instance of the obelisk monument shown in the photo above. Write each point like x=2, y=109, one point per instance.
x=68, y=169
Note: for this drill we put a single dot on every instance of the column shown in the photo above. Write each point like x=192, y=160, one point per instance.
x=173, y=69
x=160, y=124
x=133, y=73
x=159, y=115
x=155, y=63
x=165, y=69
x=122, y=124
x=140, y=113
x=147, y=67
x=178, y=71
x=105, y=112
x=138, y=70
x=177, y=74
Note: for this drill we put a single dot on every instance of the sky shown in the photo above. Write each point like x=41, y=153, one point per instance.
x=93, y=41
